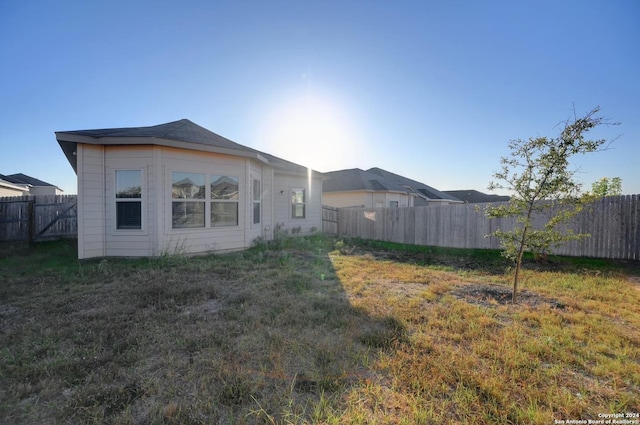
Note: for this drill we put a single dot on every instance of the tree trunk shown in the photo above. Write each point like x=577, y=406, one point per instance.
x=517, y=274
x=519, y=257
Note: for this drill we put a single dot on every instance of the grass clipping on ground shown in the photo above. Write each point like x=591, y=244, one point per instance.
x=301, y=332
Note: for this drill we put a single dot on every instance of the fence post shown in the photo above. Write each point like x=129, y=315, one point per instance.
x=32, y=221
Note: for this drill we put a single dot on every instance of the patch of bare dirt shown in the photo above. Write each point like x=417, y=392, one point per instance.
x=493, y=295
x=635, y=281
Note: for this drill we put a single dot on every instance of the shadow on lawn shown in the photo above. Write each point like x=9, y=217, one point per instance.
x=261, y=335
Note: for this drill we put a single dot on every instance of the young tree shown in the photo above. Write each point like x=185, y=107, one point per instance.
x=543, y=189
x=607, y=187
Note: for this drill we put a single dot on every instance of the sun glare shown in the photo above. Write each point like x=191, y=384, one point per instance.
x=314, y=132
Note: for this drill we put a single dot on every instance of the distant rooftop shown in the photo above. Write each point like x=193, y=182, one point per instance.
x=475, y=197
x=24, y=179
x=377, y=179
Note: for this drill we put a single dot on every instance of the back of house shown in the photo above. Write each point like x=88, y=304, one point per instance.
x=180, y=188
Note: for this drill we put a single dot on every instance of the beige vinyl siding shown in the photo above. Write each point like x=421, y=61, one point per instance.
x=44, y=190
x=268, y=196
x=284, y=184
x=127, y=242
x=202, y=239
x=157, y=181
x=90, y=168
x=402, y=199
x=10, y=191
x=97, y=232
x=254, y=230
x=347, y=199
x=367, y=199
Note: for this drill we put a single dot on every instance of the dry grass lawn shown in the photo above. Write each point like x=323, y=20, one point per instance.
x=308, y=330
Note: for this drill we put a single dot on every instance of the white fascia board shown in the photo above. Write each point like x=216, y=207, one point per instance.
x=14, y=186
x=128, y=141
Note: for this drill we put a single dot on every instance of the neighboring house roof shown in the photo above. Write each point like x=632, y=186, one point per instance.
x=181, y=134
x=377, y=179
x=355, y=179
x=422, y=189
x=474, y=197
x=23, y=179
x=5, y=183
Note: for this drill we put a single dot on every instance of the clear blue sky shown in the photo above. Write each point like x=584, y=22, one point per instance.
x=432, y=90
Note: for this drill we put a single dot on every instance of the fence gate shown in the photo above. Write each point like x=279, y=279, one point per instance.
x=31, y=218
x=329, y=220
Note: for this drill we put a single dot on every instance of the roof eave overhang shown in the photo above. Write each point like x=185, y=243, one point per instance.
x=14, y=186
x=450, y=201
x=401, y=192
x=69, y=141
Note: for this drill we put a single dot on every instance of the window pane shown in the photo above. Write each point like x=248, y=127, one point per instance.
x=224, y=214
x=224, y=187
x=256, y=190
x=129, y=215
x=128, y=184
x=297, y=196
x=187, y=186
x=256, y=212
x=297, y=201
x=298, y=210
x=187, y=214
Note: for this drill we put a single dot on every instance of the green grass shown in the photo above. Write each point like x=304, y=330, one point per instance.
x=313, y=330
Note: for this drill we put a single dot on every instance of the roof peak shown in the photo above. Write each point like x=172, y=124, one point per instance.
x=182, y=133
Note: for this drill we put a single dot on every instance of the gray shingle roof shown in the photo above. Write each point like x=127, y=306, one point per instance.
x=377, y=179
x=473, y=196
x=182, y=133
x=354, y=179
x=20, y=178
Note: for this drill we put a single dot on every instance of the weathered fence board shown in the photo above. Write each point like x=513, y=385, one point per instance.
x=613, y=223
x=38, y=217
x=329, y=220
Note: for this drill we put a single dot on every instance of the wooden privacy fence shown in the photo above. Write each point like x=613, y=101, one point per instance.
x=613, y=223
x=31, y=218
x=329, y=220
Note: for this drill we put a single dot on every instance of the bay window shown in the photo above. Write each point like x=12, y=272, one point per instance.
x=224, y=200
x=188, y=200
x=200, y=200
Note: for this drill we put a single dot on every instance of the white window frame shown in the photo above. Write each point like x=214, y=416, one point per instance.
x=189, y=200
x=208, y=200
x=141, y=200
x=255, y=201
x=303, y=203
